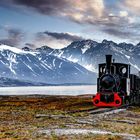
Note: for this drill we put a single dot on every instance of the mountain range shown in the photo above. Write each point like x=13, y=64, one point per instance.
x=40, y=68
x=75, y=64
x=89, y=53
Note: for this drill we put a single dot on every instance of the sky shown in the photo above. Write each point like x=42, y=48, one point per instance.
x=57, y=23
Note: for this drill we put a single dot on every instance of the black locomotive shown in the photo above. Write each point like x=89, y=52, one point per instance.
x=115, y=85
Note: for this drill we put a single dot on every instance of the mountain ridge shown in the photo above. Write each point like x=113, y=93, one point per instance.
x=76, y=62
x=40, y=67
x=89, y=53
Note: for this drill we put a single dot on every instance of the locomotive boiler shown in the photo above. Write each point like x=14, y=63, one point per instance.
x=115, y=85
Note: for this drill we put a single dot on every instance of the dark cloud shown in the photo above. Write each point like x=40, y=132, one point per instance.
x=15, y=33
x=72, y=9
x=14, y=37
x=129, y=35
x=65, y=36
x=8, y=42
x=55, y=39
x=29, y=45
x=48, y=7
x=117, y=32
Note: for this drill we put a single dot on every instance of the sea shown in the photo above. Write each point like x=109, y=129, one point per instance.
x=49, y=90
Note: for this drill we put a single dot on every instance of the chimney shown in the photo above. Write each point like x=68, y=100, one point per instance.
x=108, y=63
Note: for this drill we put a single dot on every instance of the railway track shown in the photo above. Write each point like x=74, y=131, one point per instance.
x=105, y=110
x=84, y=110
x=97, y=110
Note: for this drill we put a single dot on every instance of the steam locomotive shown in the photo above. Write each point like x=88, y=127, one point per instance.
x=115, y=85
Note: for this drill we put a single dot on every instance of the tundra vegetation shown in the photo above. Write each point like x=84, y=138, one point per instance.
x=24, y=117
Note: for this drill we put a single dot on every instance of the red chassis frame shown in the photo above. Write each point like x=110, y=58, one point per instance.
x=117, y=101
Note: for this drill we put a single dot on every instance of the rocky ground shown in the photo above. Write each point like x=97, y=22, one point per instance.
x=48, y=117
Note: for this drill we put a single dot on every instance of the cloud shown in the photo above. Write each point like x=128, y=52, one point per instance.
x=48, y=7
x=29, y=45
x=133, y=6
x=54, y=39
x=114, y=19
x=116, y=32
x=76, y=10
x=123, y=13
x=87, y=12
x=127, y=35
x=14, y=37
x=66, y=36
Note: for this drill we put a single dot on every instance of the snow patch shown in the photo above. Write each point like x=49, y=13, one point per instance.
x=51, y=52
x=44, y=67
x=29, y=67
x=45, y=63
x=28, y=59
x=12, y=60
x=90, y=67
x=60, y=64
x=12, y=70
x=60, y=54
x=128, y=57
x=54, y=62
x=79, y=70
x=72, y=59
x=135, y=66
x=85, y=48
x=15, y=50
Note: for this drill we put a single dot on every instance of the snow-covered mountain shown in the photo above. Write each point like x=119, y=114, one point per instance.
x=89, y=53
x=75, y=63
x=41, y=67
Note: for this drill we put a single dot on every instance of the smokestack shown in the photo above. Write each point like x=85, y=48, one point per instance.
x=108, y=63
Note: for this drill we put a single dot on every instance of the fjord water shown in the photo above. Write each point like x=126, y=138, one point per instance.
x=49, y=90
